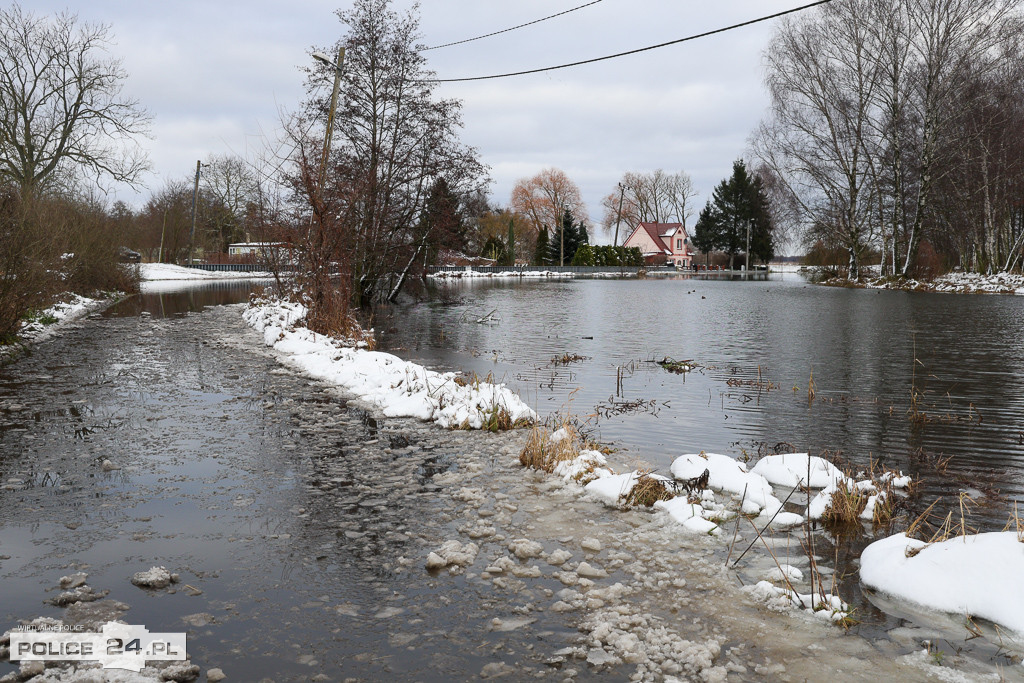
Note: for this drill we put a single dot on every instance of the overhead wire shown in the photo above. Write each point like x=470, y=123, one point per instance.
x=705, y=34
x=512, y=28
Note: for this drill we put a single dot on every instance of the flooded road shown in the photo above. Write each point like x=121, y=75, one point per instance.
x=161, y=433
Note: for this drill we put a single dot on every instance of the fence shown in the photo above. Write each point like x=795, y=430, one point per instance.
x=581, y=270
x=238, y=267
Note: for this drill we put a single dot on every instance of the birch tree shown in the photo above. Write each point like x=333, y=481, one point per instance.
x=823, y=78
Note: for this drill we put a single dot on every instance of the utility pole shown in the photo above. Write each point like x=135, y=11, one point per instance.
x=163, y=231
x=319, y=56
x=195, y=195
x=618, y=214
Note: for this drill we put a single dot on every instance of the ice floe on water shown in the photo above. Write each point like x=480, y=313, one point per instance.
x=396, y=387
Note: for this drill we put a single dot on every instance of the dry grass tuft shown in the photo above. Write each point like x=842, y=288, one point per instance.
x=567, y=358
x=500, y=420
x=1015, y=523
x=647, y=491
x=541, y=453
x=846, y=507
x=943, y=531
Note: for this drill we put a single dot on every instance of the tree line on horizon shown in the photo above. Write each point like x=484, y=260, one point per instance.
x=892, y=138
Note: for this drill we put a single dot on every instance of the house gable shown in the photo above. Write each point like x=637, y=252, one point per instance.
x=662, y=240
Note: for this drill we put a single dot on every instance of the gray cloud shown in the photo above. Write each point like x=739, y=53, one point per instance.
x=216, y=75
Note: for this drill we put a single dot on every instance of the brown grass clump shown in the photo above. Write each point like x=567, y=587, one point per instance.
x=1015, y=523
x=541, y=453
x=647, y=491
x=500, y=420
x=567, y=358
x=846, y=507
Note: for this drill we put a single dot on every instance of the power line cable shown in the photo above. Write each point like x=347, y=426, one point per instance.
x=633, y=52
x=513, y=28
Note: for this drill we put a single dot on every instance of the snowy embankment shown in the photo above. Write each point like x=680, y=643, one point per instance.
x=958, y=283
x=977, y=576
x=48, y=323
x=468, y=274
x=396, y=387
x=150, y=272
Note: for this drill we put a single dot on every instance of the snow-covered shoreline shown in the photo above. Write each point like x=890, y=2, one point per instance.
x=50, y=322
x=149, y=272
x=470, y=274
x=955, y=283
x=396, y=387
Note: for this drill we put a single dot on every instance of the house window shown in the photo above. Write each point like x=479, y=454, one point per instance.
x=679, y=245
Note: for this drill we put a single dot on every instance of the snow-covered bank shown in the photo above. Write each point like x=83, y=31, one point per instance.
x=976, y=576
x=469, y=274
x=956, y=283
x=394, y=386
x=50, y=322
x=167, y=271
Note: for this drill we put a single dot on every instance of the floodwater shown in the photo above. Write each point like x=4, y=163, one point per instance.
x=758, y=344
x=300, y=524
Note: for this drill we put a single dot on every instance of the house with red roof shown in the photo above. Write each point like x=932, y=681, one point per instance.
x=662, y=243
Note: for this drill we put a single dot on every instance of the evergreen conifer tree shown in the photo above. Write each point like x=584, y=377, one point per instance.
x=737, y=203
x=566, y=239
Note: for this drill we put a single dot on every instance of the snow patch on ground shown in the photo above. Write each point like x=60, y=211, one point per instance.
x=149, y=272
x=47, y=323
x=396, y=387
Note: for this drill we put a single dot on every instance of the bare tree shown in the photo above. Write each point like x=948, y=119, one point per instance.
x=62, y=113
x=948, y=39
x=661, y=197
x=544, y=199
x=867, y=97
x=393, y=140
x=823, y=78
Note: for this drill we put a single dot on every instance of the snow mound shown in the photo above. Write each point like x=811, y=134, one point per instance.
x=977, y=575
x=588, y=464
x=791, y=470
x=612, y=488
x=691, y=516
x=396, y=387
x=730, y=476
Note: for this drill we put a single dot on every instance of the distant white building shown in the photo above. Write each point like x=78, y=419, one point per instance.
x=265, y=251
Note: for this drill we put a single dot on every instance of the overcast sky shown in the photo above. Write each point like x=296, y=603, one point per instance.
x=216, y=73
